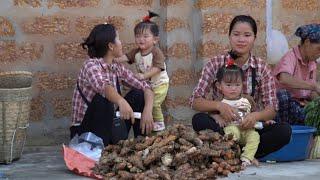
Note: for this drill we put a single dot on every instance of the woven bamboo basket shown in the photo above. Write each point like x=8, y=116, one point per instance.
x=15, y=103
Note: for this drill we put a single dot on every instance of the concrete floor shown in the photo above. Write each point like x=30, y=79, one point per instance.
x=47, y=163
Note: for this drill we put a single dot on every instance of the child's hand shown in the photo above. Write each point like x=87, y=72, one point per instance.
x=140, y=76
x=269, y=122
x=249, y=121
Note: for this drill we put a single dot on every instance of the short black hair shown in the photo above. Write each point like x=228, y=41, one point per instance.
x=99, y=38
x=244, y=18
x=147, y=24
x=230, y=74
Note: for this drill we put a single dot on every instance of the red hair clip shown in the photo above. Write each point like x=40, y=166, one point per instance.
x=146, y=18
x=230, y=62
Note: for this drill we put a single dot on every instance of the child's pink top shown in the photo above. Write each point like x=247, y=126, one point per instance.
x=293, y=64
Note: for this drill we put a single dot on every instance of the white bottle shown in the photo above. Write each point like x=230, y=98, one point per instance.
x=137, y=115
x=258, y=125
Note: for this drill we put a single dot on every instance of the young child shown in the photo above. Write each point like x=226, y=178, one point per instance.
x=229, y=83
x=150, y=64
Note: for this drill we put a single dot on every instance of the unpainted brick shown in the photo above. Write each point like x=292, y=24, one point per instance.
x=184, y=77
x=8, y=51
x=173, y=23
x=48, y=25
x=261, y=24
x=175, y=102
x=6, y=27
x=180, y=51
x=301, y=5
x=210, y=49
x=30, y=51
x=260, y=51
x=32, y=3
x=62, y=107
x=11, y=51
x=216, y=22
x=54, y=81
x=85, y=24
x=155, y=20
x=128, y=47
x=70, y=52
x=315, y=21
x=37, y=108
x=73, y=3
x=287, y=28
x=219, y=22
x=293, y=42
x=135, y=2
x=170, y=2
x=256, y=4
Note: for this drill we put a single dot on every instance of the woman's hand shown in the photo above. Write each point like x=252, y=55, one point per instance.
x=249, y=120
x=227, y=112
x=222, y=123
x=146, y=123
x=126, y=111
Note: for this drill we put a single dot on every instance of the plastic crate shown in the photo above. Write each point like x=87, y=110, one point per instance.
x=298, y=147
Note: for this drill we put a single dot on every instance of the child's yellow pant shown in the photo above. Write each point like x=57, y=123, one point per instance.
x=250, y=140
x=160, y=93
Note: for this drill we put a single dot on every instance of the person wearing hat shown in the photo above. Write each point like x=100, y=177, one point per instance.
x=296, y=76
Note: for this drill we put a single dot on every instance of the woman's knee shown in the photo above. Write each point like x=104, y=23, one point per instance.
x=196, y=121
x=135, y=98
x=285, y=132
x=202, y=121
x=100, y=102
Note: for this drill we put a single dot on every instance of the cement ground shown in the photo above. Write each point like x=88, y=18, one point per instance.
x=47, y=163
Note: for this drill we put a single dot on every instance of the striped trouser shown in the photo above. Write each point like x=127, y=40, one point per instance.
x=290, y=110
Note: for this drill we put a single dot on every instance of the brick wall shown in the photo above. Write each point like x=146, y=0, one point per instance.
x=43, y=36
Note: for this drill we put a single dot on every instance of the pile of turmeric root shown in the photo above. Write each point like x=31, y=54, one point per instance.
x=177, y=153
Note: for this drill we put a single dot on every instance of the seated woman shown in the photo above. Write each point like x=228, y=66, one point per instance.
x=257, y=82
x=97, y=92
x=296, y=75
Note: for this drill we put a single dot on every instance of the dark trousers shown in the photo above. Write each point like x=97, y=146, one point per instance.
x=100, y=113
x=272, y=137
x=290, y=110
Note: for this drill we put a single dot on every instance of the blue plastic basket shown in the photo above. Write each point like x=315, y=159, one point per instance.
x=298, y=147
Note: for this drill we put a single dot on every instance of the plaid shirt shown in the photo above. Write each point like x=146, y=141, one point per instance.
x=265, y=90
x=94, y=76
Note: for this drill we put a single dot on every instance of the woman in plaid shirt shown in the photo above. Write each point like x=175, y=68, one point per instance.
x=258, y=82
x=97, y=94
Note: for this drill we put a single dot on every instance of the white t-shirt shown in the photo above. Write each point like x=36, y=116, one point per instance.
x=243, y=105
x=144, y=64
